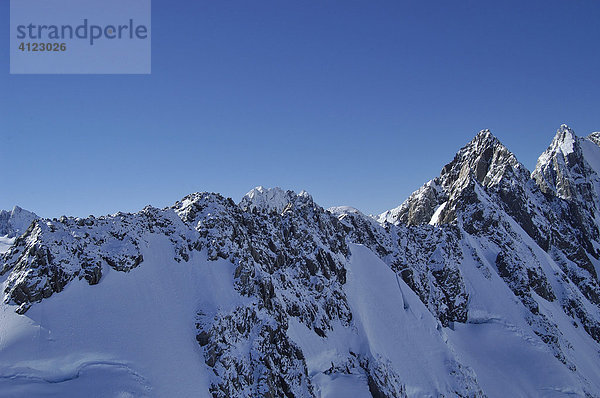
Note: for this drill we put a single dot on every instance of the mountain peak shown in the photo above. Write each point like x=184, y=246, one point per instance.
x=566, y=170
x=565, y=140
x=14, y=223
x=482, y=142
x=564, y=127
x=485, y=136
x=484, y=157
x=269, y=199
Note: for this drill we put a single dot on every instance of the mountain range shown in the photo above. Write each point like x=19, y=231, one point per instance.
x=484, y=282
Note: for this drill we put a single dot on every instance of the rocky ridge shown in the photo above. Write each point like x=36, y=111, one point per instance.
x=485, y=213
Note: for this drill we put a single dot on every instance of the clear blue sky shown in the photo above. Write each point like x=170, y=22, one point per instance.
x=358, y=102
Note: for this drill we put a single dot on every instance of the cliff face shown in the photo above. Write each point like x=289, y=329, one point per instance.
x=482, y=275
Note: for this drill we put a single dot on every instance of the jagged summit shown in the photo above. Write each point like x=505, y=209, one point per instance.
x=562, y=165
x=14, y=223
x=270, y=199
x=485, y=135
x=484, y=160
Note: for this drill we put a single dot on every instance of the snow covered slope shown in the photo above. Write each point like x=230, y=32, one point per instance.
x=130, y=336
x=483, y=283
x=5, y=243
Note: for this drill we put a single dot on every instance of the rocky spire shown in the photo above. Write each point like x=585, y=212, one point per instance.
x=484, y=160
x=561, y=166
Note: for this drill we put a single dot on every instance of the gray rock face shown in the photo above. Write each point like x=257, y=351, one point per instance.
x=419, y=207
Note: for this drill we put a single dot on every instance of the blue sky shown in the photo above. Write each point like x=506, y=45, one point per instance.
x=357, y=102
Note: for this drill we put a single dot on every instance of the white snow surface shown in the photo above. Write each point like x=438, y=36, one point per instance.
x=499, y=345
x=5, y=243
x=395, y=325
x=591, y=152
x=133, y=335
x=436, y=215
x=566, y=146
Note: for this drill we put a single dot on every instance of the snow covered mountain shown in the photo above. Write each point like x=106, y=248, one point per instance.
x=484, y=282
x=12, y=224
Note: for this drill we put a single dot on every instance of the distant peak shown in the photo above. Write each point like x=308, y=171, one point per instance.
x=15, y=222
x=594, y=137
x=261, y=192
x=560, y=165
x=269, y=199
x=340, y=210
x=18, y=210
x=260, y=189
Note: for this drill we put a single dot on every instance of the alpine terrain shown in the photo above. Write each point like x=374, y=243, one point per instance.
x=483, y=283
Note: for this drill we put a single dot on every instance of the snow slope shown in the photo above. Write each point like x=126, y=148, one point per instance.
x=496, y=349
x=508, y=358
x=5, y=243
x=397, y=328
x=591, y=151
x=131, y=335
